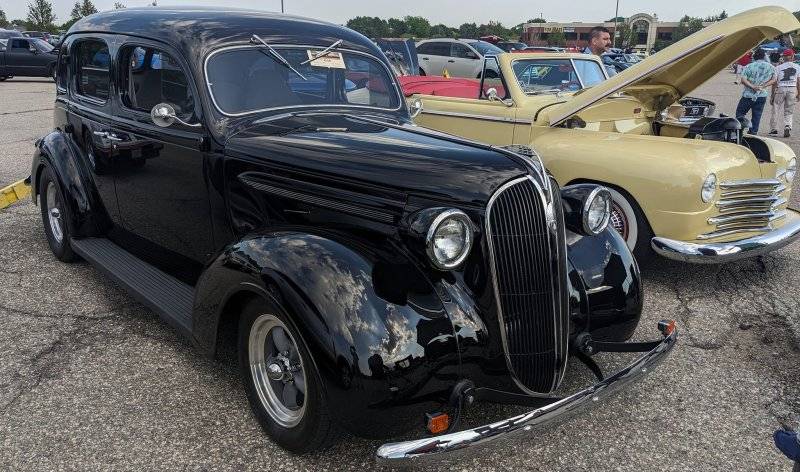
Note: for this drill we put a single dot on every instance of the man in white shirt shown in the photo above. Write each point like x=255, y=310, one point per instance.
x=785, y=93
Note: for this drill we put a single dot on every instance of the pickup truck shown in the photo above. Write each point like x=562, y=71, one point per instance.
x=27, y=57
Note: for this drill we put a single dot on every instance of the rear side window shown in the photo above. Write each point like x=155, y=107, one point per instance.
x=151, y=76
x=434, y=49
x=61, y=77
x=461, y=51
x=18, y=43
x=92, y=63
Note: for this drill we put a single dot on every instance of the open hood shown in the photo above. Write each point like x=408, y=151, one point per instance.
x=669, y=75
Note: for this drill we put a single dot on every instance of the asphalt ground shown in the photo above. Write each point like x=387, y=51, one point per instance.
x=91, y=380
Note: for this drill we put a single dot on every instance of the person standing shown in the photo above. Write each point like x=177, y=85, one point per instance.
x=741, y=64
x=757, y=78
x=599, y=43
x=785, y=93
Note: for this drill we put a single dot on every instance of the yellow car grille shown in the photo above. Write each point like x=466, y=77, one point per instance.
x=748, y=206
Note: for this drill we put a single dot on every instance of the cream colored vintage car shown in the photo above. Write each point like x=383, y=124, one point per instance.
x=698, y=191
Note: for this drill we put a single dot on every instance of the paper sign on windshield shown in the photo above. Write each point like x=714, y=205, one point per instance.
x=330, y=59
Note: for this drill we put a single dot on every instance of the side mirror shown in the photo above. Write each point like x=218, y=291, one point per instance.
x=33, y=50
x=491, y=94
x=163, y=115
x=416, y=107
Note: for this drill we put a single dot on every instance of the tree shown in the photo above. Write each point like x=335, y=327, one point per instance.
x=82, y=8
x=119, y=5
x=619, y=19
x=3, y=19
x=41, y=16
x=468, y=31
x=418, y=26
x=625, y=37
x=441, y=31
x=494, y=28
x=369, y=26
x=686, y=27
x=537, y=20
x=556, y=38
x=397, y=27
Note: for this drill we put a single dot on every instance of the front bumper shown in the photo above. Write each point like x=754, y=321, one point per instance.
x=447, y=446
x=715, y=253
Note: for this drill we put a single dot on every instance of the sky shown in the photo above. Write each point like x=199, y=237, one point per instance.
x=449, y=12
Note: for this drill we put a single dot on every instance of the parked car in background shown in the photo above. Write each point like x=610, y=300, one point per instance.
x=36, y=34
x=27, y=57
x=371, y=275
x=511, y=46
x=543, y=49
x=695, y=190
x=5, y=34
x=459, y=57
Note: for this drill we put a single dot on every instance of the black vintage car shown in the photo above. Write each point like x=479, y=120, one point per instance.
x=255, y=178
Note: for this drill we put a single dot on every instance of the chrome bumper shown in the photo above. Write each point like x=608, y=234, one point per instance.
x=715, y=253
x=447, y=446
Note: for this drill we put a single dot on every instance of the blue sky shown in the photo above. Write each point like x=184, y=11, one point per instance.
x=450, y=12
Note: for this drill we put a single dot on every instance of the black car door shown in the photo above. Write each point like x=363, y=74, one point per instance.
x=22, y=59
x=160, y=178
x=89, y=116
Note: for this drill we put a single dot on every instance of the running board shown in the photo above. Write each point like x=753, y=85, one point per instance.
x=170, y=298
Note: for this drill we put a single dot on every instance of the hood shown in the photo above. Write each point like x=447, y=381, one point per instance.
x=667, y=76
x=353, y=155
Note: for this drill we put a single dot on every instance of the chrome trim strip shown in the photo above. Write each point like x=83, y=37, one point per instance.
x=392, y=77
x=447, y=446
x=750, y=183
x=550, y=224
x=721, y=233
x=555, y=121
x=715, y=253
x=744, y=202
x=471, y=116
x=745, y=216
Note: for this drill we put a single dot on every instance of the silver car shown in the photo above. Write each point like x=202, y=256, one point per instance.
x=459, y=57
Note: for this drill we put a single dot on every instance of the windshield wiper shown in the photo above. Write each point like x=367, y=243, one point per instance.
x=276, y=56
x=316, y=56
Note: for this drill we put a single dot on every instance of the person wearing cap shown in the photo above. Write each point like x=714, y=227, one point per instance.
x=757, y=79
x=785, y=93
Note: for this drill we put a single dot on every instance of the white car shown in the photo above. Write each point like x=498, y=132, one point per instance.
x=459, y=57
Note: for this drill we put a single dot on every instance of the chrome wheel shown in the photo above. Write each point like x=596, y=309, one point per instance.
x=54, y=213
x=277, y=370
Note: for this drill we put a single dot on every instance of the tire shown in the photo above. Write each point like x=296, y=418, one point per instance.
x=3, y=78
x=490, y=74
x=304, y=426
x=55, y=215
x=629, y=220
x=422, y=72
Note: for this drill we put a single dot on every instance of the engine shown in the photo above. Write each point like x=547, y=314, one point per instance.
x=724, y=128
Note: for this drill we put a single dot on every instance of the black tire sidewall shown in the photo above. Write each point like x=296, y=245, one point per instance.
x=63, y=250
x=311, y=433
x=642, y=249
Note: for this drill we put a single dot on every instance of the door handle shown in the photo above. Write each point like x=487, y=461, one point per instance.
x=424, y=58
x=107, y=135
x=451, y=60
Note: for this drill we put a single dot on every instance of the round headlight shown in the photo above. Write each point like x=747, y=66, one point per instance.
x=449, y=239
x=791, y=171
x=709, y=188
x=597, y=211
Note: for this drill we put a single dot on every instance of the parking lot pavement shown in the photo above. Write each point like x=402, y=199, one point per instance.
x=91, y=380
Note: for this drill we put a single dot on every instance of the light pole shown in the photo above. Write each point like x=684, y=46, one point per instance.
x=283, y=11
x=616, y=16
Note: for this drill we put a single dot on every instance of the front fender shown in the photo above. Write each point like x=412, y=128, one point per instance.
x=60, y=153
x=379, y=334
x=606, y=286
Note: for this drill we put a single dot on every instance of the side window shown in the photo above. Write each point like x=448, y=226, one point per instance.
x=461, y=51
x=491, y=79
x=425, y=48
x=590, y=72
x=63, y=59
x=92, y=64
x=18, y=43
x=435, y=49
x=151, y=76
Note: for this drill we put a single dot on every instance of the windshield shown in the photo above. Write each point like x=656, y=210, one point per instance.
x=556, y=75
x=485, y=49
x=41, y=45
x=250, y=79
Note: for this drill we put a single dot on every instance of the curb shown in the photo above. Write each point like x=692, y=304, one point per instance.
x=14, y=192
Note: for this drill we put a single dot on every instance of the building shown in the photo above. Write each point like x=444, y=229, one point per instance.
x=646, y=29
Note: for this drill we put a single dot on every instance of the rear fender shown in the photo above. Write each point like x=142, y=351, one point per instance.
x=60, y=153
x=379, y=334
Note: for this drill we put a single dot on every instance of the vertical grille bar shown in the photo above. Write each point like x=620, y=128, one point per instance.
x=528, y=257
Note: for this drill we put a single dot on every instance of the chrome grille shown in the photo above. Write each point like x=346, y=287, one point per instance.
x=528, y=257
x=748, y=206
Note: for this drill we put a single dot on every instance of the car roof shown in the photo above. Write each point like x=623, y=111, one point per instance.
x=195, y=30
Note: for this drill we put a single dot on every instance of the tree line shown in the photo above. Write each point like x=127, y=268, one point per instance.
x=41, y=17
x=419, y=27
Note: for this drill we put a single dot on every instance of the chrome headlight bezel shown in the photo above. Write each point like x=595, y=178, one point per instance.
x=709, y=188
x=442, y=218
x=601, y=196
x=791, y=170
